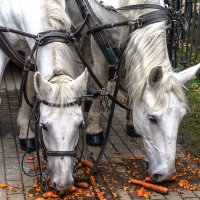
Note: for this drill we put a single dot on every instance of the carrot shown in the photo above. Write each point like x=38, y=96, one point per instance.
x=150, y=186
x=47, y=195
x=35, y=186
x=88, y=163
x=30, y=158
x=79, y=165
x=40, y=198
x=148, y=179
x=72, y=189
x=35, y=167
x=3, y=185
x=82, y=185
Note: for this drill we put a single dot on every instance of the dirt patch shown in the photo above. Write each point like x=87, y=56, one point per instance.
x=118, y=175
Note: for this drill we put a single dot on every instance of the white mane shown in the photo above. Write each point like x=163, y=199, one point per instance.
x=58, y=20
x=146, y=49
x=64, y=60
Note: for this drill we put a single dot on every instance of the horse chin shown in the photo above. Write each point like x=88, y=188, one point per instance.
x=62, y=191
x=64, y=188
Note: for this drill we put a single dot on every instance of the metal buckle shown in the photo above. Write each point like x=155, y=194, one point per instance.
x=5, y=29
x=103, y=92
x=139, y=22
x=39, y=38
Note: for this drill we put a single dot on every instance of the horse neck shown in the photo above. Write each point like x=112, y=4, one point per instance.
x=54, y=58
x=146, y=49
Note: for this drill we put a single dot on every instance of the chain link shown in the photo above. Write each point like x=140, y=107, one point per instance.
x=44, y=182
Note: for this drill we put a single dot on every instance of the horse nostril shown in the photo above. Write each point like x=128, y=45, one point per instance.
x=62, y=193
x=156, y=177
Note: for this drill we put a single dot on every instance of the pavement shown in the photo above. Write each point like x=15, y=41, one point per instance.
x=123, y=159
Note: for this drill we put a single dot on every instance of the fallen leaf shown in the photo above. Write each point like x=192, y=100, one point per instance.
x=3, y=185
x=140, y=193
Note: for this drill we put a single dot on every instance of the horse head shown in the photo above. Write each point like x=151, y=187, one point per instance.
x=60, y=124
x=157, y=118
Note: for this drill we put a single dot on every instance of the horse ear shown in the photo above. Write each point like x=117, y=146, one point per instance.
x=42, y=86
x=187, y=74
x=80, y=83
x=155, y=77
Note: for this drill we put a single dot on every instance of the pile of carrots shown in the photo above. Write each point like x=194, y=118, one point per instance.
x=51, y=194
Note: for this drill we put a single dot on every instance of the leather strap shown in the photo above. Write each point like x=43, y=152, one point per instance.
x=140, y=22
x=7, y=48
x=142, y=6
x=77, y=102
x=61, y=153
x=100, y=36
x=54, y=36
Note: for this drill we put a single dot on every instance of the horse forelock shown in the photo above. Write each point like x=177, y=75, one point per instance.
x=62, y=92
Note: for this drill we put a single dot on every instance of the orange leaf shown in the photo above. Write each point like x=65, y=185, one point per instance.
x=38, y=189
x=47, y=195
x=3, y=185
x=140, y=192
x=35, y=167
x=35, y=186
x=11, y=188
x=125, y=188
x=147, y=195
x=30, y=195
x=30, y=158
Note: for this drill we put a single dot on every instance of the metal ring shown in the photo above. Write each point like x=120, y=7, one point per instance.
x=139, y=22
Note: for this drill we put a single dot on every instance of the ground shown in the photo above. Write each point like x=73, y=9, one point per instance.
x=123, y=159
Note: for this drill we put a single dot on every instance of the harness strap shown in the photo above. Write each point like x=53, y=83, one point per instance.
x=142, y=6
x=100, y=37
x=7, y=48
x=140, y=22
x=61, y=153
x=75, y=45
x=77, y=102
x=5, y=29
x=54, y=36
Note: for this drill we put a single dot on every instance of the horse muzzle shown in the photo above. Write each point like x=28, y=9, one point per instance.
x=161, y=175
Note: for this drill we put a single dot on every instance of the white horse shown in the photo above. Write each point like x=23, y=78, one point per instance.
x=156, y=92
x=54, y=82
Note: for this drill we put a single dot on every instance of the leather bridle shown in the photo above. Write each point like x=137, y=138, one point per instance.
x=47, y=152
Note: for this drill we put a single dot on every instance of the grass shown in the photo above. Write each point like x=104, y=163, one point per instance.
x=189, y=132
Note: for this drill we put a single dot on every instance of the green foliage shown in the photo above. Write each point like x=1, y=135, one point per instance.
x=189, y=133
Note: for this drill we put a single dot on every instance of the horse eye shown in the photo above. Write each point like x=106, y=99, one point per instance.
x=44, y=126
x=153, y=119
x=80, y=124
